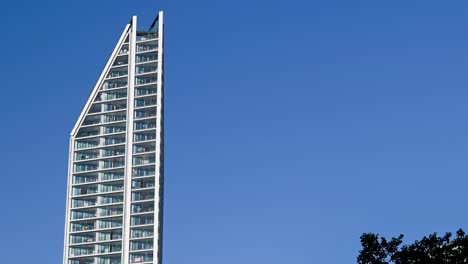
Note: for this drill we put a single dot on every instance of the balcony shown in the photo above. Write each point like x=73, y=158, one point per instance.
x=141, y=232
x=145, y=136
x=110, y=248
x=145, y=124
x=111, y=95
x=82, y=238
x=146, y=68
x=95, y=165
x=146, y=35
x=146, y=90
x=141, y=257
x=143, y=195
x=147, y=46
x=143, y=172
x=111, y=199
x=143, y=58
x=83, y=214
x=144, y=148
x=112, y=187
x=81, y=250
x=83, y=226
x=115, y=83
x=143, y=208
x=83, y=202
x=144, y=160
x=141, y=220
x=110, y=211
x=118, y=72
x=145, y=79
x=142, y=183
x=145, y=113
x=141, y=245
x=120, y=61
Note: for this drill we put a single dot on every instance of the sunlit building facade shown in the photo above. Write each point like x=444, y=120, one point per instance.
x=115, y=179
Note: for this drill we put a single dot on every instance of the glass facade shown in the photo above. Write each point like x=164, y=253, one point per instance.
x=115, y=193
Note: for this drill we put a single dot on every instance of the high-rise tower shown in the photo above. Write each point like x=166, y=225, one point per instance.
x=116, y=172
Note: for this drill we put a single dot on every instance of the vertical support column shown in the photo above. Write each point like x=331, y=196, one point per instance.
x=129, y=143
x=159, y=180
x=69, y=195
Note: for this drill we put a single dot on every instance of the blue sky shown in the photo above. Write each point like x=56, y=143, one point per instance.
x=292, y=127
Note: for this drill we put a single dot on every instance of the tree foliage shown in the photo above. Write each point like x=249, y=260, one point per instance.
x=429, y=250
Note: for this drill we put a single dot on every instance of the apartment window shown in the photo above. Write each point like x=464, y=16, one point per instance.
x=110, y=223
x=109, y=235
x=140, y=91
x=141, y=232
x=82, y=238
x=143, y=195
x=105, y=176
x=140, y=172
x=139, y=245
x=141, y=257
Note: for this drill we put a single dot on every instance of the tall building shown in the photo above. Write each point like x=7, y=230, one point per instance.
x=116, y=172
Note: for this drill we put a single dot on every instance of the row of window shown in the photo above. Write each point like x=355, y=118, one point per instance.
x=98, y=176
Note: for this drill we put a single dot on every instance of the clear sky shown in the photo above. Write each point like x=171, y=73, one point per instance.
x=292, y=127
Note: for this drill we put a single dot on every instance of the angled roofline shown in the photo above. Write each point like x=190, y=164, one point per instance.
x=99, y=81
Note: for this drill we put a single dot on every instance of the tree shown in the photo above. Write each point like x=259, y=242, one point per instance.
x=428, y=250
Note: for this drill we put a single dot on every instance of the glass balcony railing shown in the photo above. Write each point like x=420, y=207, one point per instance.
x=146, y=57
x=140, y=184
x=143, y=160
x=86, y=155
x=114, y=84
x=113, y=141
x=142, y=195
x=86, y=167
x=107, y=260
x=111, y=187
x=146, y=68
x=110, y=200
x=82, y=226
x=141, y=244
x=147, y=46
x=80, y=251
x=144, y=137
x=76, y=203
x=117, y=72
x=84, y=179
x=82, y=238
x=108, y=248
x=83, y=214
x=142, y=172
x=109, y=235
x=87, y=132
x=110, y=211
x=143, y=148
x=146, y=101
x=141, y=220
x=143, y=36
x=145, y=80
x=140, y=232
x=109, y=223
x=111, y=95
x=141, y=257
x=147, y=90
x=120, y=61
x=83, y=190
x=145, y=124
x=106, y=176
x=145, y=113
